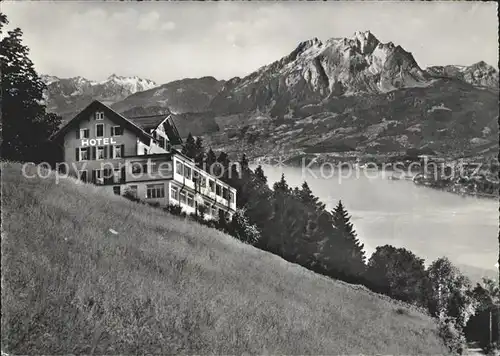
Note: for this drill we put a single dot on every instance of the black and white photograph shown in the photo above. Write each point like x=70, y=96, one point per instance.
x=249, y=178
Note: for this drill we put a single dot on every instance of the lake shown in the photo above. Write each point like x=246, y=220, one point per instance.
x=428, y=222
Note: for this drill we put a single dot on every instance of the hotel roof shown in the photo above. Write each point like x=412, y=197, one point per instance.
x=148, y=122
x=139, y=124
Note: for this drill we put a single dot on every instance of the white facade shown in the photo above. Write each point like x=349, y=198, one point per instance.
x=102, y=147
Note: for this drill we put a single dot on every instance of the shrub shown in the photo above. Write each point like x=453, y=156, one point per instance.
x=492, y=349
x=174, y=209
x=130, y=195
x=241, y=228
x=452, y=335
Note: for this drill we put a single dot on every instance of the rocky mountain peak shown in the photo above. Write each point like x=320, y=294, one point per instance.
x=365, y=41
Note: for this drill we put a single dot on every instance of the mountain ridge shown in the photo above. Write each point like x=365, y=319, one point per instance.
x=356, y=94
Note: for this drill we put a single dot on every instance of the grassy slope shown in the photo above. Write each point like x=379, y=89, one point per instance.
x=167, y=285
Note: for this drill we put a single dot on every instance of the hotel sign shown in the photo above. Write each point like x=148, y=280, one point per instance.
x=101, y=141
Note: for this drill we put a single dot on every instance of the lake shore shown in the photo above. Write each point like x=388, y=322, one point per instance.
x=404, y=169
x=404, y=214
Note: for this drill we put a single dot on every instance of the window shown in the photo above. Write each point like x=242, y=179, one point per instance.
x=139, y=168
x=225, y=193
x=107, y=175
x=99, y=115
x=116, y=131
x=117, y=175
x=215, y=211
x=212, y=185
x=100, y=152
x=117, y=151
x=174, y=193
x=196, y=178
x=182, y=196
x=117, y=190
x=136, y=167
x=133, y=190
x=99, y=129
x=162, y=141
x=145, y=150
x=98, y=176
x=203, y=182
x=190, y=199
x=187, y=172
x=84, y=153
x=155, y=191
x=218, y=190
x=82, y=175
x=84, y=133
x=178, y=168
x=231, y=197
x=62, y=168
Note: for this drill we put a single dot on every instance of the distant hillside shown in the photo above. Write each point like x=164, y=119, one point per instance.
x=449, y=117
x=67, y=96
x=479, y=74
x=158, y=284
x=186, y=95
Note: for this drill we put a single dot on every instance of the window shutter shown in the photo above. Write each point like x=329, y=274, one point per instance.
x=94, y=176
x=107, y=175
x=123, y=175
x=123, y=151
x=77, y=134
x=93, y=152
x=105, y=151
x=77, y=151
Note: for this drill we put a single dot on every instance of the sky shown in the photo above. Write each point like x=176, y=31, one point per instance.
x=166, y=41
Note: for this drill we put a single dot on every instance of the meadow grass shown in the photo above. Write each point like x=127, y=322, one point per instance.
x=166, y=285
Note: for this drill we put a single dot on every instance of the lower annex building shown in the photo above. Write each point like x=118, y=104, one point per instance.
x=140, y=155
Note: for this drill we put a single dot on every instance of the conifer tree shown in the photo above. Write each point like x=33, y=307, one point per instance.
x=200, y=152
x=306, y=195
x=281, y=187
x=259, y=175
x=244, y=162
x=210, y=159
x=223, y=166
x=342, y=220
x=189, y=149
x=26, y=126
x=342, y=251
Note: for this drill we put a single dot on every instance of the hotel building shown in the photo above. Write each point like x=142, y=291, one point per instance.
x=140, y=155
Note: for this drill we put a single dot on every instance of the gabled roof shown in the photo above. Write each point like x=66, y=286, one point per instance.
x=110, y=113
x=148, y=122
x=152, y=122
x=171, y=131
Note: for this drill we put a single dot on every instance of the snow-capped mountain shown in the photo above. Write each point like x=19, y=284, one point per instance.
x=478, y=74
x=67, y=96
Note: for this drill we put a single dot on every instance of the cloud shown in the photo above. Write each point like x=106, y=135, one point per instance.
x=168, y=26
x=148, y=21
